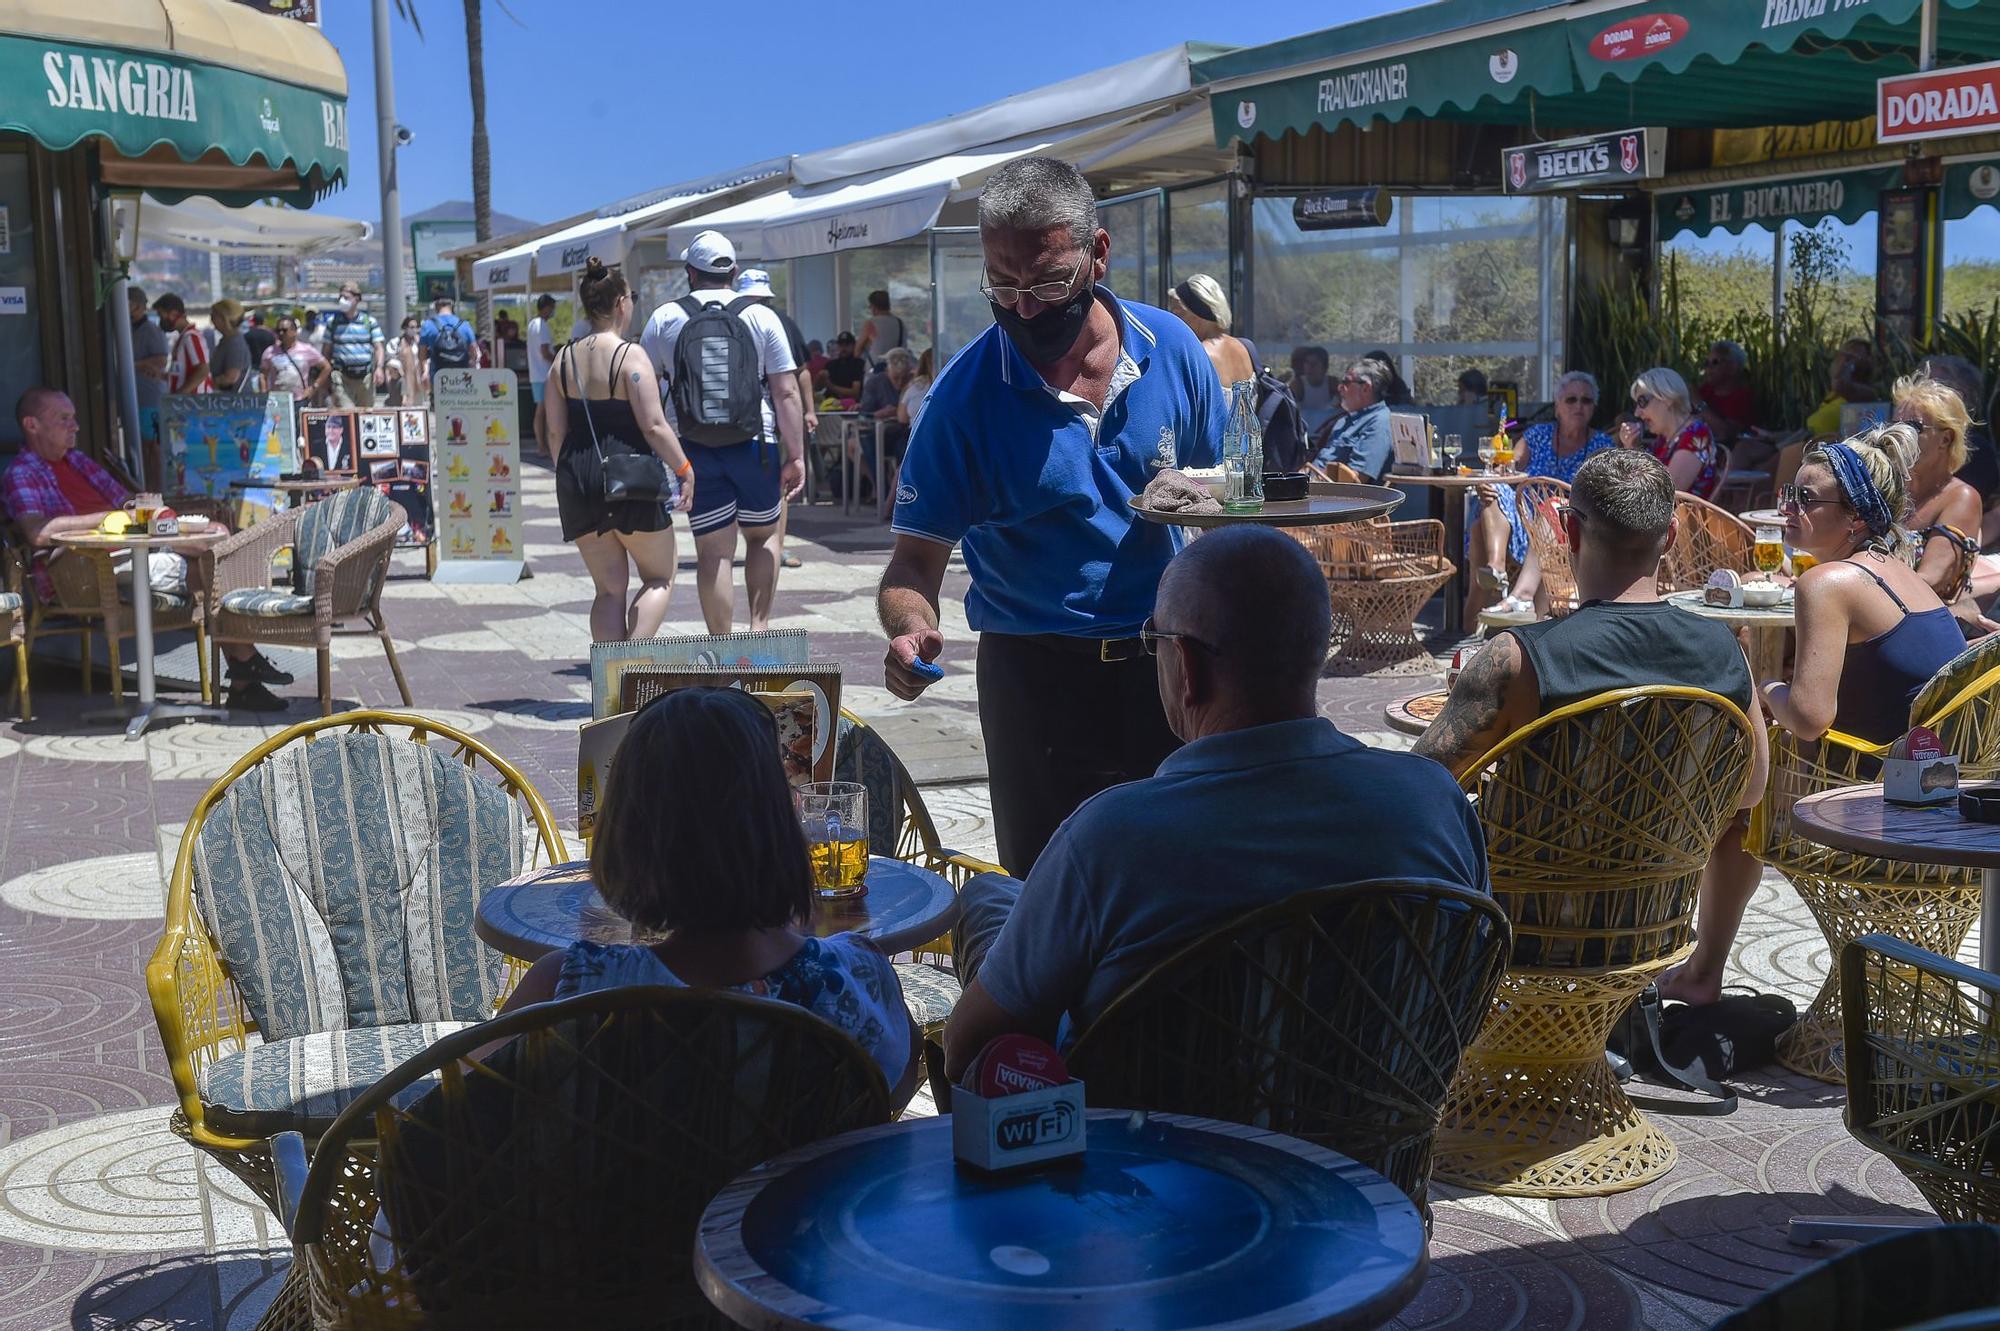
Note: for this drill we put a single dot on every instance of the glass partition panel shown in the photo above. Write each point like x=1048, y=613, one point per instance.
x=962, y=312
x=904, y=271
x=1133, y=271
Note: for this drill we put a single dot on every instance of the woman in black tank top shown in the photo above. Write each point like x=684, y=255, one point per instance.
x=1871, y=632
x=587, y=429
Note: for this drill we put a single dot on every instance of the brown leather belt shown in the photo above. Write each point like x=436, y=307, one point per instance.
x=1102, y=649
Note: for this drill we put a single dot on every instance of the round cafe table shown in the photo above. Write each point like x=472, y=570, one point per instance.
x=546, y=910
x=1859, y=820
x=1413, y=713
x=150, y=708
x=1163, y=1221
x=1454, y=487
x=295, y=491
x=1768, y=628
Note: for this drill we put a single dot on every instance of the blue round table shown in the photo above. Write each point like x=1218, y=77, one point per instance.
x=546, y=910
x=1165, y=1221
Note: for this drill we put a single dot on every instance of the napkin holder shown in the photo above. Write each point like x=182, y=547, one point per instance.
x=1009, y=1132
x=165, y=524
x=1918, y=772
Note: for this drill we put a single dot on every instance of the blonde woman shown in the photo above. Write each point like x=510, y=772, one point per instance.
x=1945, y=511
x=1679, y=438
x=1199, y=303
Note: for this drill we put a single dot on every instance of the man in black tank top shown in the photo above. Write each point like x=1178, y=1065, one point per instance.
x=1619, y=522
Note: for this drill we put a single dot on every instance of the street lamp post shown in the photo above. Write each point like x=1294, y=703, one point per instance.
x=394, y=298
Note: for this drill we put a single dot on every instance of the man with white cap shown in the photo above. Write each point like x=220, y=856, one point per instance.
x=756, y=283
x=731, y=385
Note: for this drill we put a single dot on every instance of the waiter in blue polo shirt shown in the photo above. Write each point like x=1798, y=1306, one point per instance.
x=1027, y=450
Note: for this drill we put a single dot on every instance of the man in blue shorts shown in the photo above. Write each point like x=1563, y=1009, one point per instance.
x=726, y=399
x=1028, y=450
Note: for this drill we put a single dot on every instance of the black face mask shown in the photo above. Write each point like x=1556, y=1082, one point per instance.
x=1047, y=338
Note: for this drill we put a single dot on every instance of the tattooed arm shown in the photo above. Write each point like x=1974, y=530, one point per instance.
x=1495, y=696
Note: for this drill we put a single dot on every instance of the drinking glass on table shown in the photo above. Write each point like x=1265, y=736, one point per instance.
x=834, y=815
x=1770, y=549
x=1486, y=453
x=1503, y=452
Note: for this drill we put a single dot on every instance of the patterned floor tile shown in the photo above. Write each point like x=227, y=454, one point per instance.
x=106, y=887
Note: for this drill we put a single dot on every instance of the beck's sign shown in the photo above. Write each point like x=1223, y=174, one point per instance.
x=1938, y=103
x=1616, y=158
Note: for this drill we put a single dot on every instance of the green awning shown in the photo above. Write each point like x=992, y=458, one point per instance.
x=139, y=100
x=1847, y=195
x=1703, y=64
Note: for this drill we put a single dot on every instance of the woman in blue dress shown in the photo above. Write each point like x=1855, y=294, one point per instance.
x=698, y=841
x=1495, y=532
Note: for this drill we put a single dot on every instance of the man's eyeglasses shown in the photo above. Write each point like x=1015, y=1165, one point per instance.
x=1796, y=499
x=1048, y=293
x=1151, y=638
x=1579, y=402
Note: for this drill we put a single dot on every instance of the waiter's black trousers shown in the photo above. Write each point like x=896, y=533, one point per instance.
x=1062, y=724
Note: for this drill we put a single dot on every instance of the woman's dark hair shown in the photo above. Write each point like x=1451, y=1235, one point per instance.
x=599, y=289
x=697, y=829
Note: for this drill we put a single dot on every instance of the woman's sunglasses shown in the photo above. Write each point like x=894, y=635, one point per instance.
x=1796, y=499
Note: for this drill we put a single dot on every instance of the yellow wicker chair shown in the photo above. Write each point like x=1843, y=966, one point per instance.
x=13, y=626
x=205, y=1011
x=1378, y=576
x=1924, y=1086
x=558, y=1180
x=1338, y=1016
x=1708, y=538
x=1932, y=906
x=1599, y=818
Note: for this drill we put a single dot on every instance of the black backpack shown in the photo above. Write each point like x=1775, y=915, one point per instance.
x=1284, y=430
x=716, y=381
x=451, y=349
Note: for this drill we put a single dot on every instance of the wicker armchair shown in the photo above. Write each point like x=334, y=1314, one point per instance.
x=1937, y=1279
x=1707, y=538
x=1338, y=1016
x=1379, y=575
x=1924, y=1085
x=1932, y=906
x=1599, y=818
x=558, y=1179
x=342, y=544
x=87, y=601
x=1547, y=544
x=14, y=625
x=323, y=897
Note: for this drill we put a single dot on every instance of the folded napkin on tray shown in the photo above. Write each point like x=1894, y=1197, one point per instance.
x=1172, y=492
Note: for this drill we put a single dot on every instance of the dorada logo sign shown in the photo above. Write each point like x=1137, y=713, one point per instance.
x=267, y=116
x=1246, y=114
x=1043, y=1127
x=1638, y=38
x=1517, y=169
x=1503, y=65
x=1984, y=182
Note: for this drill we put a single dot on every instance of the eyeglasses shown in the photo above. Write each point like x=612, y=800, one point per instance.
x=1351, y=382
x=1642, y=401
x=1796, y=499
x=1579, y=402
x=1048, y=293
x=1151, y=638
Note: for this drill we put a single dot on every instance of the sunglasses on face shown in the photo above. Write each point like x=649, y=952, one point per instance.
x=1794, y=500
x=1643, y=401
x=1579, y=402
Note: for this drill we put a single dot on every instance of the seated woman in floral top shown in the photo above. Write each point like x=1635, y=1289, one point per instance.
x=1678, y=438
x=1496, y=532
x=698, y=840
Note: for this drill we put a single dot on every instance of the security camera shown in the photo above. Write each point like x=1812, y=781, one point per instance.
x=405, y=136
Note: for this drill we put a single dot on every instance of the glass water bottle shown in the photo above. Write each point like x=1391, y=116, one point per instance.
x=1243, y=452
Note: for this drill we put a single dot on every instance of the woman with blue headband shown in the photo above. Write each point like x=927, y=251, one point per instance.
x=1871, y=632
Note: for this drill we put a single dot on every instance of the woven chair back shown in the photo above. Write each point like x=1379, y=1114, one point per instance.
x=1923, y=1070
x=1535, y=501
x=327, y=524
x=558, y=1179
x=1599, y=818
x=1707, y=538
x=1338, y=1015
x=1961, y=702
x=1927, y=1277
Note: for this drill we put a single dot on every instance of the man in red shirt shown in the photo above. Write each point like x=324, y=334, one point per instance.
x=187, y=368
x=52, y=489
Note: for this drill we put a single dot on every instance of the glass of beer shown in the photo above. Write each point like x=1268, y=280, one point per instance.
x=834, y=815
x=1770, y=551
x=142, y=507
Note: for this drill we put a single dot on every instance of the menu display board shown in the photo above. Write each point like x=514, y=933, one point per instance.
x=476, y=457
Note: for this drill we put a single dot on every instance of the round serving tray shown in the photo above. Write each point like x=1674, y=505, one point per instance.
x=1326, y=503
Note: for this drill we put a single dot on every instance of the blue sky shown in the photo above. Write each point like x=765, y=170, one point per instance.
x=590, y=100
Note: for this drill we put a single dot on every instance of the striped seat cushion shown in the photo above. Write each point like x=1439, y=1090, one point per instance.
x=266, y=603
x=10, y=603
x=929, y=993
x=303, y=1083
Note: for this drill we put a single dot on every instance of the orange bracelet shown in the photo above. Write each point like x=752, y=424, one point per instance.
x=687, y=465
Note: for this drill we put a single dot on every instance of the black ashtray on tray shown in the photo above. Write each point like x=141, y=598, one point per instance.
x=1280, y=486
x=1980, y=804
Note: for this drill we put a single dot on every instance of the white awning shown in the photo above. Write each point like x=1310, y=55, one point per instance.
x=875, y=210
x=509, y=270
x=258, y=229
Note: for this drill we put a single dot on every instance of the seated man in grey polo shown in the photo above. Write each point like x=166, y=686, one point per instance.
x=1225, y=825
x=1360, y=439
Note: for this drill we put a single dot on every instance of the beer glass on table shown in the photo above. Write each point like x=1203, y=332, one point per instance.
x=834, y=815
x=1770, y=549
